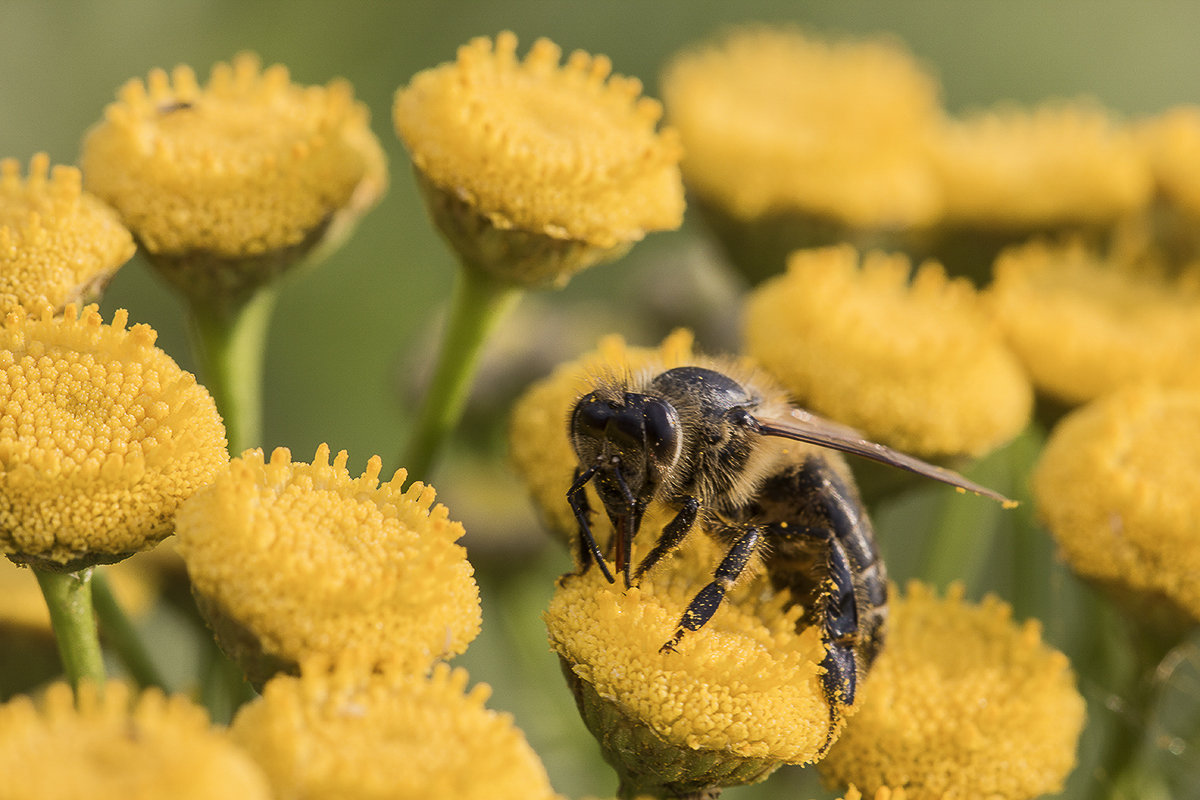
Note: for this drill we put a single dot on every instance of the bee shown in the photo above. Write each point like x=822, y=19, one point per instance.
x=737, y=459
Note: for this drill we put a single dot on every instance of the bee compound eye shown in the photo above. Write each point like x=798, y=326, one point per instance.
x=662, y=430
x=591, y=416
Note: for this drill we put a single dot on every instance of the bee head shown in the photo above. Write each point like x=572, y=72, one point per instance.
x=632, y=440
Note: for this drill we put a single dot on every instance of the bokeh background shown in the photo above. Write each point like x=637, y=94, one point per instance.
x=349, y=340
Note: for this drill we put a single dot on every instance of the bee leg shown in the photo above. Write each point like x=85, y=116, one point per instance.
x=671, y=536
x=705, y=603
x=589, y=550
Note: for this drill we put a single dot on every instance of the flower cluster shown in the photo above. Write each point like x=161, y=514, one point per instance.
x=981, y=279
x=292, y=560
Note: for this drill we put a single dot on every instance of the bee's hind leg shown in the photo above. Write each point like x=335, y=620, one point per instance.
x=706, y=602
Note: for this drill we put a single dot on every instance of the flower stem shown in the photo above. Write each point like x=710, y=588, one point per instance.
x=959, y=544
x=229, y=341
x=121, y=634
x=477, y=306
x=69, y=598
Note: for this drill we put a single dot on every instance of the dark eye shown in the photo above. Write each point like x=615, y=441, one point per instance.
x=591, y=416
x=662, y=430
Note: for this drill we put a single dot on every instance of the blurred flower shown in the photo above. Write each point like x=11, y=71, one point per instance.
x=1011, y=173
x=532, y=170
x=58, y=244
x=539, y=446
x=1171, y=141
x=227, y=185
x=345, y=733
x=826, y=139
x=915, y=364
x=290, y=560
x=102, y=437
x=1115, y=486
x=1057, y=164
x=962, y=702
x=732, y=702
x=118, y=745
x=882, y=793
x=1084, y=325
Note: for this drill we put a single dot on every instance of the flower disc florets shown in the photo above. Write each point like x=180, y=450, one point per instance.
x=1115, y=486
x=733, y=700
x=58, y=244
x=345, y=733
x=533, y=169
x=911, y=359
x=292, y=560
x=116, y=745
x=227, y=184
x=102, y=437
x=962, y=702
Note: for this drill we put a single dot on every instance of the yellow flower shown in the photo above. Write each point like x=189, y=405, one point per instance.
x=534, y=170
x=1115, y=485
x=343, y=733
x=1084, y=325
x=538, y=444
x=119, y=746
x=102, y=437
x=882, y=793
x=774, y=120
x=227, y=184
x=735, y=700
x=962, y=702
x=58, y=244
x=915, y=364
x=1058, y=164
x=290, y=560
x=1172, y=142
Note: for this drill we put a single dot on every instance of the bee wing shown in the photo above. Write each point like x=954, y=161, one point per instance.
x=804, y=426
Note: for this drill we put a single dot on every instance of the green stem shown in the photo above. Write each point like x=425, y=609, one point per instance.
x=966, y=524
x=229, y=341
x=69, y=598
x=121, y=634
x=477, y=306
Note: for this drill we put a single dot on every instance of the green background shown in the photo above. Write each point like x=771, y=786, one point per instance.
x=348, y=338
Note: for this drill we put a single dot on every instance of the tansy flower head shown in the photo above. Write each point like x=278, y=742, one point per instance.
x=534, y=170
x=916, y=364
x=227, y=184
x=538, y=443
x=1115, y=486
x=1060, y=164
x=58, y=244
x=346, y=733
x=962, y=702
x=776, y=120
x=290, y=560
x=102, y=437
x=732, y=702
x=115, y=746
x=1084, y=325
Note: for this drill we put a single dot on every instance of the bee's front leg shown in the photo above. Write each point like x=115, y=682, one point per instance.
x=672, y=535
x=589, y=550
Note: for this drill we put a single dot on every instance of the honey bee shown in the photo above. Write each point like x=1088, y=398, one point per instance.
x=735, y=458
